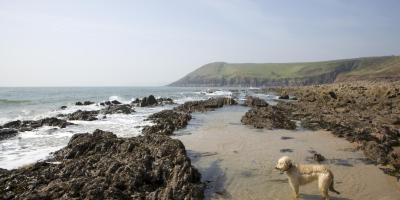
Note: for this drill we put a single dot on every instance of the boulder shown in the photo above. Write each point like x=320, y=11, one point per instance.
x=115, y=102
x=255, y=102
x=269, y=117
x=284, y=96
x=83, y=115
x=7, y=133
x=86, y=103
x=166, y=122
x=205, y=105
x=118, y=109
x=148, y=101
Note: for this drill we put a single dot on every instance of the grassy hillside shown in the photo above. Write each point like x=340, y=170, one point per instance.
x=264, y=74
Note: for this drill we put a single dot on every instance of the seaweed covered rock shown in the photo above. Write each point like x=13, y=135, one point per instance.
x=28, y=125
x=83, y=115
x=7, y=133
x=166, y=122
x=255, y=102
x=205, y=105
x=148, y=101
x=102, y=166
x=268, y=117
x=118, y=109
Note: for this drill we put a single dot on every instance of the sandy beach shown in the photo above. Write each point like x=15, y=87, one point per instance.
x=237, y=161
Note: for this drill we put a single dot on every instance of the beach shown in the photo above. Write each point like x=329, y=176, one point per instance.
x=237, y=161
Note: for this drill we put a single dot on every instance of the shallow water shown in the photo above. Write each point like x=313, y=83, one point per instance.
x=237, y=162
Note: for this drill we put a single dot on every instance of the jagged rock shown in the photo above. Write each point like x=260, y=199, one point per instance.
x=118, y=109
x=269, y=117
x=83, y=115
x=63, y=107
x=255, y=102
x=102, y=166
x=166, y=122
x=284, y=96
x=332, y=94
x=85, y=103
x=115, y=102
x=148, y=101
x=318, y=157
x=167, y=101
x=7, y=133
x=29, y=125
x=206, y=105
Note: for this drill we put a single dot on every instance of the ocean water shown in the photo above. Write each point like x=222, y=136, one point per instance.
x=37, y=103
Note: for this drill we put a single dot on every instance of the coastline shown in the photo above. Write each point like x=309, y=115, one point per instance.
x=237, y=161
x=227, y=164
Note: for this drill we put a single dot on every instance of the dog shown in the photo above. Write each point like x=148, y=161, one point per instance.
x=303, y=174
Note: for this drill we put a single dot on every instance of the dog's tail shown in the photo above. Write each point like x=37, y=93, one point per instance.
x=331, y=188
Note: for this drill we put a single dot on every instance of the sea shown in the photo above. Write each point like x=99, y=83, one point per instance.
x=24, y=103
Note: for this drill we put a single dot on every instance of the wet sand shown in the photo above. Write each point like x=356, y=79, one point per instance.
x=237, y=161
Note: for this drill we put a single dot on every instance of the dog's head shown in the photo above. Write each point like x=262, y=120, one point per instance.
x=284, y=164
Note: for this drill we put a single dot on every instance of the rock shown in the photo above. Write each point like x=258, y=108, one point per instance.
x=115, y=102
x=318, y=157
x=29, y=125
x=148, y=101
x=375, y=152
x=86, y=103
x=13, y=124
x=63, y=107
x=165, y=101
x=118, y=109
x=206, y=105
x=102, y=166
x=166, y=122
x=83, y=115
x=255, y=102
x=7, y=133
x=284, y=96
x=52, y=121
x=79, y=103
x=268, y=117
x=332, y=94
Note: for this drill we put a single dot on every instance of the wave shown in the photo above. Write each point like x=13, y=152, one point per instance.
x=10, y=101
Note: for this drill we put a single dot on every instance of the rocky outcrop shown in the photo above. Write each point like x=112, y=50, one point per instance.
x=166, y=122
x=269, y=117
x=85, y=103
x=83, y=115
x=148, y=101
x=255, y=102
x=117, y=109
x=7, y=133
x=362, y=112
x=29, y=125
x=102, y=166
x=206, y=105
x=152, y=101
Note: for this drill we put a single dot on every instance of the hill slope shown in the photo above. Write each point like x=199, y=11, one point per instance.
x=305, y=73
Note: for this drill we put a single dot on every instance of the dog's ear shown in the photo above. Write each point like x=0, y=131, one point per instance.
x=288, y=163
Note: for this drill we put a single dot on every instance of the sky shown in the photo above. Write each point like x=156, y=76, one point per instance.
x=153, y=43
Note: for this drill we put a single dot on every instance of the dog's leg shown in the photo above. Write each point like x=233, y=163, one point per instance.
x=323, y=184
x=295, y=187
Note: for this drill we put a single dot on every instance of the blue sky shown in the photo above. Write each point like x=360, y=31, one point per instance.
x=148, y=43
